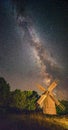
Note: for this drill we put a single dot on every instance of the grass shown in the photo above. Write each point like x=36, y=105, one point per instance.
x=51, y=120
x=33, y=121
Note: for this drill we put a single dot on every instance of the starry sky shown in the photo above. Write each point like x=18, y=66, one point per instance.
x=33, y=44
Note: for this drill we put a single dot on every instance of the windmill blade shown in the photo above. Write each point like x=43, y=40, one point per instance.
x=41, y=87
x=41, y=100
x=62, y=107
x=57, y=102
x=53, y=85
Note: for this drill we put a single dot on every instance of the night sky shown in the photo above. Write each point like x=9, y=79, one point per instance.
x=33, y=44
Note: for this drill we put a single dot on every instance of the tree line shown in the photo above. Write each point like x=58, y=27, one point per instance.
x=22, y=100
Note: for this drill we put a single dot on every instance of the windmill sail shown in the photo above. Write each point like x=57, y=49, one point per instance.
x=53, y=85
x=57, y=102
x=41, y=87
x=41, y=100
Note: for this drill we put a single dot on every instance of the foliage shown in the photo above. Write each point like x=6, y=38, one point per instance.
x=4, y=92
x=24, y=100
x=31, y=98
x=65, y=103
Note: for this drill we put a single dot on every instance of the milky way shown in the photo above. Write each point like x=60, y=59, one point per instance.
x=49, y=68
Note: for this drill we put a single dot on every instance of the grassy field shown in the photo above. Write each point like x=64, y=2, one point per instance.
x=33, y=121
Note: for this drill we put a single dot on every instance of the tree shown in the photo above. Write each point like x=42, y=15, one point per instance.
x=4, y=92
x=24, y=100
x=65, y=103
x=32, y=97
x=15, y=99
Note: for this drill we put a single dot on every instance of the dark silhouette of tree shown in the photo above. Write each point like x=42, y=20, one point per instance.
x=4, y=92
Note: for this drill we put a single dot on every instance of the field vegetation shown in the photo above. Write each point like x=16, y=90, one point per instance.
x=33, y=121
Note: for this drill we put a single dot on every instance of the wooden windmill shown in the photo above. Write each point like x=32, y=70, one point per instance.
x=48, y=101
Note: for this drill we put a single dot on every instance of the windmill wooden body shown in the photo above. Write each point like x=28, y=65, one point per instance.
x=48, y=101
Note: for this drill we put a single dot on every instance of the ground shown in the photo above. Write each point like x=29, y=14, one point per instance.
x=33, y=121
